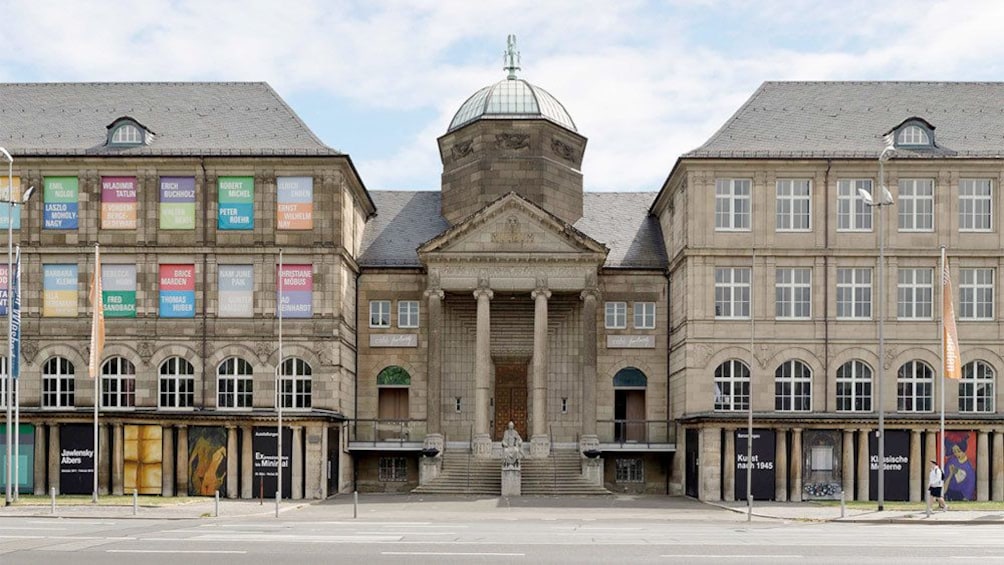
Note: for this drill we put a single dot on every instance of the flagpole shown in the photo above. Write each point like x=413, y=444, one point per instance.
x=944, y=377
x=749, y=401
x=278, y=396
x=97, y=347
x=10, y=378
x=15, y=372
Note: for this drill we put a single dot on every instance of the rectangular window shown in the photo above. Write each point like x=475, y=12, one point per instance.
x=644, y=315
x=630, y=470
x=852, y=212
x=118, y=290
x=379, y=313
x=915, y=294
x=916, y=205
x=732, y=292
x=177, y=203
x=393, y=470
x=733, y=204
x=61, y=197
x=294, y=203
x=236, y=291
x=976, y=294
x=59, y=291
x=236, y=203
x=118, y=203
x=975, y=210
x=616, y=315
x=407, y=313
x=793, y=209
x=177, y=291
x=294, y=290
x=793, y=293
x=854, y=293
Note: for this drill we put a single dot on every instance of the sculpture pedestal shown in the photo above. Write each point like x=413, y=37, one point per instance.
x=482, y=446
x=592, y=470
x=429, y=469
x=540, y=447
x=511, y=482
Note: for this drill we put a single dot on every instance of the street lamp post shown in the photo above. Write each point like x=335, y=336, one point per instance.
x=884, y=198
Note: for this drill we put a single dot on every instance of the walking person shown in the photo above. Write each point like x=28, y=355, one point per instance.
x=935, y=483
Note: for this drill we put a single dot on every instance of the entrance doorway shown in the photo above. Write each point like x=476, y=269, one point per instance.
x=510, y=398
x=629, y=405
x=334, y=451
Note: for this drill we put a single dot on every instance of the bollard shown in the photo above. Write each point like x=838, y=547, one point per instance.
x=52, y=492
x=216, y=506
x=277, y=493
x=843, y=504
x=355, y=504
x=749, y=507
x=927, y=498
x=135, y=501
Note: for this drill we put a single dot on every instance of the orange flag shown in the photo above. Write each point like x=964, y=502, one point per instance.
x=950, y=355
x=97, y=318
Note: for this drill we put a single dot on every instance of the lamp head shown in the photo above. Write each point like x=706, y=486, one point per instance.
x=6, y=155
x=887, y=153
x=886, y=196
x=866, y=196
x=27, y=194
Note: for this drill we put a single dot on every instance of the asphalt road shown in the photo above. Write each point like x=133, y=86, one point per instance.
x=303, y=540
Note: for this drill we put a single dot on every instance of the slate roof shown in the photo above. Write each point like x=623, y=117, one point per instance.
x=407, y=219
x=205, y=118
x=849, y=120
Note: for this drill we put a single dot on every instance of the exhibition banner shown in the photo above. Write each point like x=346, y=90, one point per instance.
x=118, y=292
x=207, y=460
x=59, y=291
x=25, y=479
x=897, y=465
x=236, y=291
x=236, y=203
x=118, y=203
x=295, y=206
x=821, y=458
x=761, y=464
x=4, y=289
x=177, y=291
x=142, y=455
x=297, y=284
x=61, y=208
x=76, y=459
x=177, y=203
x=960, y=465
x=5, y=209
x=265, y=447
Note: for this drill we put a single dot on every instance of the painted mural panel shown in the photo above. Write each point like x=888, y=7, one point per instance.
x=207, y=460
x=236, y=291
x=177, y=203
x=61, y=208
x=5, y=210
x=142, y=455
x=118, y=291
x=236, y=203
x=297, y=283
x=118, y=203
x=24, y=481
x=59, y=291
x=295, y=203
x=177, y=291
x=960, y=465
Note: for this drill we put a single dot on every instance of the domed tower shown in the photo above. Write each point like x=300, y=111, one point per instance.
x=512, y=136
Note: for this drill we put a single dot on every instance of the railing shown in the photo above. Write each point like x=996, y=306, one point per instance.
x=636, y=432
x=382, y=431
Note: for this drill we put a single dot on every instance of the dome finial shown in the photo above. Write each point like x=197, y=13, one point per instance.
x=511, y=57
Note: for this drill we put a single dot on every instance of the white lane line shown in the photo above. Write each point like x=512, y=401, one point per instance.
x=724, y=556
x=37, y=529
x=75, y=521
x=213, y=551
x=445, y=553
x=405, y=533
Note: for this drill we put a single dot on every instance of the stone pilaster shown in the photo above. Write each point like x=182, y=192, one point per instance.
x=104, y=453
x=998, y=466
x=482, y=369
x=54, y=456
x=796, y=465
x=540, y=444
x=847, y=464
x=232, y=461
x=729, y=467
x=167, y=462
x=916, y=468
x=297, y=471
x=247, y=470
x=40, y=464
x=710, y=487
x=434, y=400
x=181, y=468
x=590, y=298
x=983, y=465
x=118, y=464
x=780, y=466
x=863, y=465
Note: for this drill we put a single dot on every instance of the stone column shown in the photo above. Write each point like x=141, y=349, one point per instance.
x=55, y=454
x=983, y=465
x=590, y=298
x=864, y=465
x=930, y=448
x=40, y=462
x=181, y=474
x=434, y=400
x=998, y=466
x=847, y=464
x=118, y=464
x=916, y=468
x=796, y=465
x=780, y=465
x=297, y=471
x=540, y=444
x=104, y=450
x=247, y=470
x=482, y=369
x=232, y=461
x=710, y=453
x=167, y=462
x=325, y=463
x=729, y=466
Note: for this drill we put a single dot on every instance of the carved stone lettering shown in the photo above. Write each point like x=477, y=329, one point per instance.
x=630, y=341
x=393, y=340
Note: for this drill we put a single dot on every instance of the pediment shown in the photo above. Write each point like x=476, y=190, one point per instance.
x=510, y=226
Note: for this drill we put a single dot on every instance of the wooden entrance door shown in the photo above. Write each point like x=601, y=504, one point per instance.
x=510, y=398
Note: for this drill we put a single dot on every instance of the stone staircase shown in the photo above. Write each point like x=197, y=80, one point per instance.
x=558, y=475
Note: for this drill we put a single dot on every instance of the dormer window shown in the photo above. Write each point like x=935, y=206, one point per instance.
x=913, y=135
x=127, y=132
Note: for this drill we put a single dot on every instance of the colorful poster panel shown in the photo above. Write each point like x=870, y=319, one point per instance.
x=24, y=481
x=4, y=286
x=236, y=203
x=265, y=446
x=177, y=291
x=177, y=203
x=897, y=465
x=960, y=465
x=821, y=465
x=295, y=203
x=142, y=454
x=207, y=460
x=236, y=291
x=761, y=464
x=5, y=209
x=61, y=209
x=59, y=291
x=119, y=290
x=297, y=284
x=76, y=459
x=118, y=203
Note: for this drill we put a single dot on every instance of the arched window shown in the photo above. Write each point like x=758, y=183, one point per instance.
x=732, y=386
x=393, y=376
x=913, y=135
x=234, y=384
x=976, y=389
x=295, y=378
x=793, y=387
x=177, y=383
x=118, y=383
x=127, y=134
x=914, y=387
x=57, y=383
x=393, y=388
x=854, y=387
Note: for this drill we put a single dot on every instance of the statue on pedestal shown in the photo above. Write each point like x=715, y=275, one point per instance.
x=512, y=448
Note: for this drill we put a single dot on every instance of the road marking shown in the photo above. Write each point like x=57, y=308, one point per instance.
x=405, y=533
x=214, y=551
x=723, y=556
x=5, y=528
x=445, y=553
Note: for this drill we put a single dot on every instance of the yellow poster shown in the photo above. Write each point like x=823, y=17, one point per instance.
x=143, y=454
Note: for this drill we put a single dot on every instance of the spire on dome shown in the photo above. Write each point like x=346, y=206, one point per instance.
x=511, y=57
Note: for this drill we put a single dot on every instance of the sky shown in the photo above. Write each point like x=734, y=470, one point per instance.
x=381, y=80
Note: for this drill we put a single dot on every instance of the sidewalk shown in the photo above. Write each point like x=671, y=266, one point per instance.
x=812, y=512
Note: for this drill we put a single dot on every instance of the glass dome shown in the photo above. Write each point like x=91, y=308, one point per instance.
x=512, y=98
